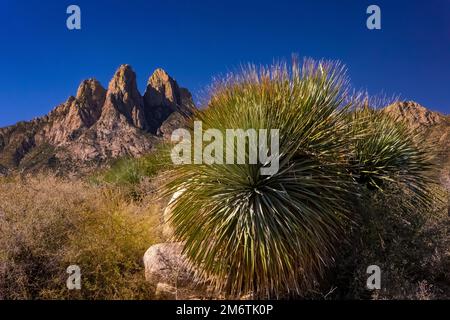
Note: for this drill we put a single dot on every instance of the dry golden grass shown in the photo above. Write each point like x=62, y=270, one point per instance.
x=48, y=223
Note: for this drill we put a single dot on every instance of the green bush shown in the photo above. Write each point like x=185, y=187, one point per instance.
x=275, y=236
x=410, y=245
x=385, y=150
x=128, y=174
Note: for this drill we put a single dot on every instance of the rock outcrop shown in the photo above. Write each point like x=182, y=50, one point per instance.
x=97, y=124
x=174, y=121
x=68, y=120
x=123, y=99
x=166, y=267
x=165, y=263
x=163, y=97
x=415, y=114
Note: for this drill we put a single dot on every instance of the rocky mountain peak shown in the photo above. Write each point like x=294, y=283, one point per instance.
x=159, y=75
x=414, y=113
x=162, y=89
x=97, y=125
x=91, y=90
x=123, y=80
x=163, y=97
x=123, y=98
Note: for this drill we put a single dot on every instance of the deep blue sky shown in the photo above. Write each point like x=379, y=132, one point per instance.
x=42, y=62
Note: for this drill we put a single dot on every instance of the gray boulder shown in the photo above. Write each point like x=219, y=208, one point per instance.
x=167, y=269
x=165, y=263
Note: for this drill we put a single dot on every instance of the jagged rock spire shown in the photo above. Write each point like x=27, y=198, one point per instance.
x=123, y=97
x=96, y=124
x=163, y=97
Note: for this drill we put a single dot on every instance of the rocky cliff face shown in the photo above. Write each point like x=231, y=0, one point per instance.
x=97, y=124
x=68, y=120
x=163, y=97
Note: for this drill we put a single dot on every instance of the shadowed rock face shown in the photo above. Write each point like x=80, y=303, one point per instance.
x=124, y=98
x=163, y=97
x=97, y=124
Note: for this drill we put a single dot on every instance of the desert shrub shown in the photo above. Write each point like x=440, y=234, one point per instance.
x=399, y=206
x=410, y=245
x=132, y=175
x=401, y=222
x=384, y=150
x=277, y=235
x=48, y=223
x=269, y=235
x=125, y=171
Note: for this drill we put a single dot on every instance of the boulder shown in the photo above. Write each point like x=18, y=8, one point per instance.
x=165, y=263
x=167, y=269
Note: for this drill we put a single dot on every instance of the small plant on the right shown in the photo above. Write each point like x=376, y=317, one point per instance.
x=400, y=210
x=386, y=150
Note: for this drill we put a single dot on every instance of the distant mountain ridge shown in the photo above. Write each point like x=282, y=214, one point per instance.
x=97, y=124
x=101, y=124
x=415, y=114
x=435, y=127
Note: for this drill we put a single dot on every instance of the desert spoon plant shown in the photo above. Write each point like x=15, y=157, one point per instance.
x=274, y=236
x=386, y=150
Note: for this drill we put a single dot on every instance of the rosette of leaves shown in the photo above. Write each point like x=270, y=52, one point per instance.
x=269, y=235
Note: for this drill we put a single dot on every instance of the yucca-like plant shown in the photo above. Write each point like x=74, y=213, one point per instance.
x=276, y=235
x=269, y=235
x=387, y=151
